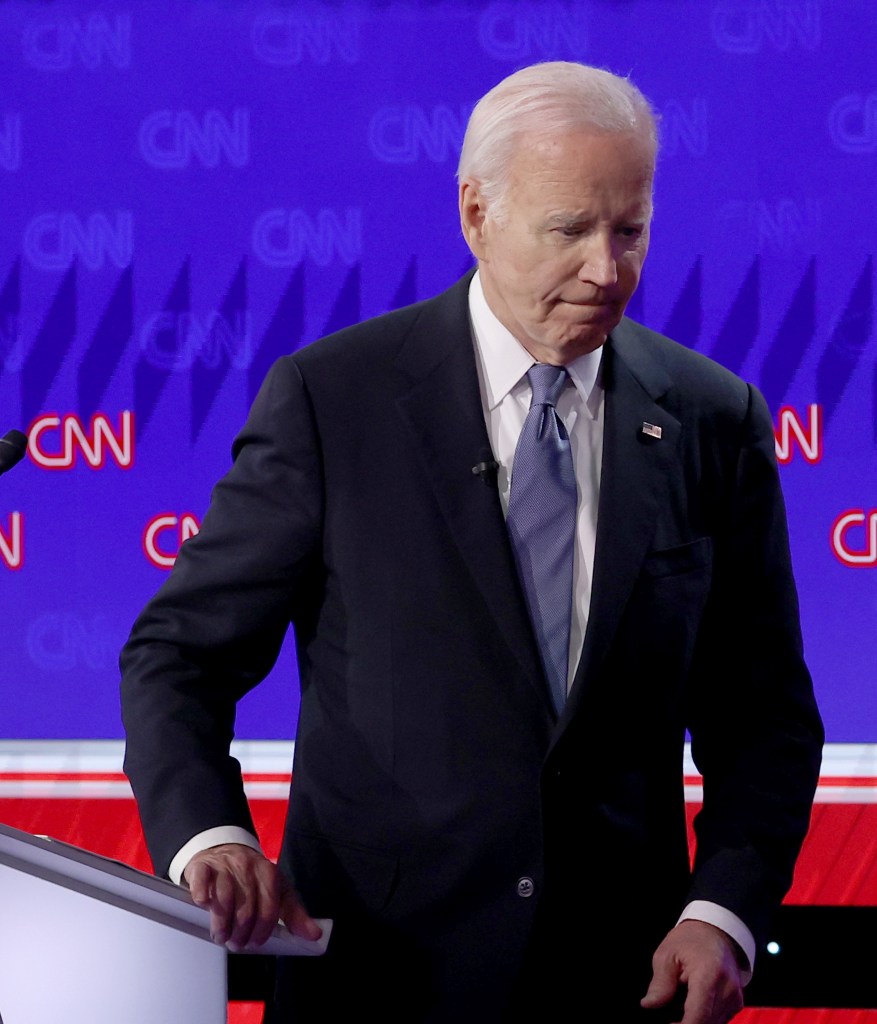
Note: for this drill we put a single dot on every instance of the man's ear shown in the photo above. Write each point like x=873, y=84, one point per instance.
x=473, y=216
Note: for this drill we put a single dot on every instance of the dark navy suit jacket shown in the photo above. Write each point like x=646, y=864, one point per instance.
x=432, y=782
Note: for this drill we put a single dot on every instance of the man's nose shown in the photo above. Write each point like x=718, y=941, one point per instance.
x=599, y=264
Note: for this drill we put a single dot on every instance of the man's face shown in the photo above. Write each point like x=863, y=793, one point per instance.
x=561, y=262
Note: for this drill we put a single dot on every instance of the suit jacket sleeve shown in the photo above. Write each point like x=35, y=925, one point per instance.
x=215, y=628
x=756, y=733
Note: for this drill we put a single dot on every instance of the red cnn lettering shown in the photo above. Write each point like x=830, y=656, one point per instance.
x=12, y=542
x=857, y=557
x=790, y=431
x=92, y=443
x=183, y=527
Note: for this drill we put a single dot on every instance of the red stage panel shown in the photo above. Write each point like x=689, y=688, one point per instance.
x=245, y=1013
x=838, y=864
x=77, y=793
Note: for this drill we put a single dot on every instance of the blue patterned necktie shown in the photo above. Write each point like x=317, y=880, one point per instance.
x=542, y=521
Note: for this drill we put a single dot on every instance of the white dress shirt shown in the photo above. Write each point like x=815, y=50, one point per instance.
x=502, y=364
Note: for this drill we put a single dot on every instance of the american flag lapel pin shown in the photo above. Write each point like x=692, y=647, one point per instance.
x=651, y=430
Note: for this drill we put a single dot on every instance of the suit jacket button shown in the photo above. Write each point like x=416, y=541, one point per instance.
x=526, y=887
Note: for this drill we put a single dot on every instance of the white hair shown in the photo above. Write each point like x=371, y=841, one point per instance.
x=543, y=100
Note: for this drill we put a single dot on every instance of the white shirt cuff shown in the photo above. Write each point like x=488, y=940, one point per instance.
x=729, y=923
x=204, y=840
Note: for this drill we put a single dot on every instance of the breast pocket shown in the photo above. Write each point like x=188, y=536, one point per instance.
x=657, y=638
x=694, y=556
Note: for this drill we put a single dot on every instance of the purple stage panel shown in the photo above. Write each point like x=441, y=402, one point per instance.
x=191, y=190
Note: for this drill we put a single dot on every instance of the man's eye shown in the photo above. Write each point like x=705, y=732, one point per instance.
x=630, y=231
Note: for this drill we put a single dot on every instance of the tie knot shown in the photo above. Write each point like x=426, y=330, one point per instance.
x=546, y=383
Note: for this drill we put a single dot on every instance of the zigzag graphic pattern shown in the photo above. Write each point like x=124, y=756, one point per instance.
x=225, y=342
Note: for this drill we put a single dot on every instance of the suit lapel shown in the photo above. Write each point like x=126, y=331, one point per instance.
x=443, y=409
x=634, y=489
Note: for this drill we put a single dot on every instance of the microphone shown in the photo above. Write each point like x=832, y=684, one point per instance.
x=13, y=445
x=487, y=471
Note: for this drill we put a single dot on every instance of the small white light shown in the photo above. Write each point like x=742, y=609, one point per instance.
x=773, y=948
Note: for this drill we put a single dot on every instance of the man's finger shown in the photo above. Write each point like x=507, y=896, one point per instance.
x=699, y=1005
x=662, y=988
x=202, y=881
x=712, y=1001
x=223, y=904
x=297, y=919
x=240, y=899
x=294, y=916
x=199, y=878
x=267, y=909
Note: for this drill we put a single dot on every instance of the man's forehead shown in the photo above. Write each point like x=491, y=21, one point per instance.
x=560, y=168
x=550, y=143
x=640, y=209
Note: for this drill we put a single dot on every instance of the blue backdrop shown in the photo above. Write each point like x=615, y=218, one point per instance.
x=190, y=190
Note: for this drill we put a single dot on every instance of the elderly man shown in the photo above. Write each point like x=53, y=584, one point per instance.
x=525, y=544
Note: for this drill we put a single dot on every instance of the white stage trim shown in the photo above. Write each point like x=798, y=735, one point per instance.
x=92, y=769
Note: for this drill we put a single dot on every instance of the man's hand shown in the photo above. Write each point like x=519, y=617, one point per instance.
x=704, y=959
x=246, y=895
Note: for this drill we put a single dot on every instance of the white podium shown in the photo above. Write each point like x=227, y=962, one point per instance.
x=86, y=940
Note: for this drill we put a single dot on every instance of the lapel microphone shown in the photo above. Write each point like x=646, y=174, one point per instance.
x=486, y=471
x=13, y=445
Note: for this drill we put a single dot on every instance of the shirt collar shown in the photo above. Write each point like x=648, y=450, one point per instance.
x=505, y=361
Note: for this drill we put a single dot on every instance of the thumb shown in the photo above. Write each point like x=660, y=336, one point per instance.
x=662, y=987
x=295, y=917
